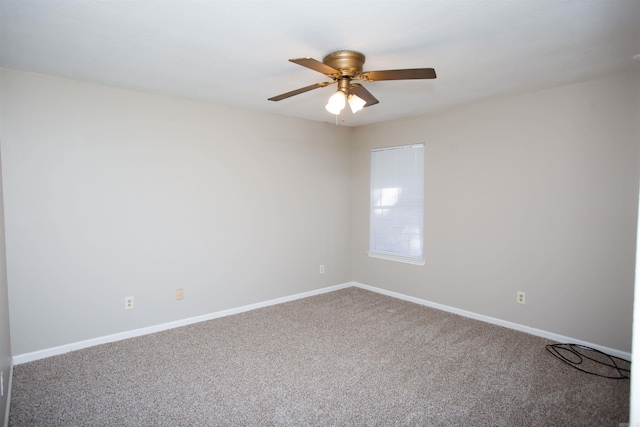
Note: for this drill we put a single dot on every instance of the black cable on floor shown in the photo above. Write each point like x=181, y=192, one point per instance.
x=580, y=353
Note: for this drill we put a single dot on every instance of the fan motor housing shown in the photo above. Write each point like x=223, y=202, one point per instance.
x=348, y=62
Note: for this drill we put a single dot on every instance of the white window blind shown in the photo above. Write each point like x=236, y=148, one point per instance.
x=397, y=204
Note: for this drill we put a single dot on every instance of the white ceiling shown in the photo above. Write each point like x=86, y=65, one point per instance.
x=236, y=52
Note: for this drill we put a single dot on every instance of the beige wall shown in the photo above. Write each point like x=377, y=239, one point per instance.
x=5, y=334
x=112, y=193
x=536, y=193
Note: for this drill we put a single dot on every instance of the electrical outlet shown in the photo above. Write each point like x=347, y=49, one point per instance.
x=128, y=303
x=179, y=293
x=520, y=297
x=321, y=268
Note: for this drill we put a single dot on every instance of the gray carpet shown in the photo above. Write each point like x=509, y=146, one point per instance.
x=345, y=358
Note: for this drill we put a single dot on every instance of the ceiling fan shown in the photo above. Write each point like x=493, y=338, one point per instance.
x=345, y=66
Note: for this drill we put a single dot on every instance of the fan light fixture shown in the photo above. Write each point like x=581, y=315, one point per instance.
x=338, y=101
x=356, y=103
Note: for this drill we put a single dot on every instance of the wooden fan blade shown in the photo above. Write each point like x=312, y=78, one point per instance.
x=299, y=91
x=407, y=74
x=316, y=65
x=363, y=94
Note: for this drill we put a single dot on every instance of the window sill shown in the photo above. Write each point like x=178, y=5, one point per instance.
x=397, y=258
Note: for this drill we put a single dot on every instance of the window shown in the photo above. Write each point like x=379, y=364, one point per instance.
x=397, y=204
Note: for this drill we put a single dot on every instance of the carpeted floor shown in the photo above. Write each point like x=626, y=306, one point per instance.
x=345, y=358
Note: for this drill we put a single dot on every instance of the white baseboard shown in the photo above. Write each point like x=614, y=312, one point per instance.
x=499, y=322
x=54, y=351
x=8, y=407
x=41, y=354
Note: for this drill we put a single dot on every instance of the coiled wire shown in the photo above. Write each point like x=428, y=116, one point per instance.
x=591, y=361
